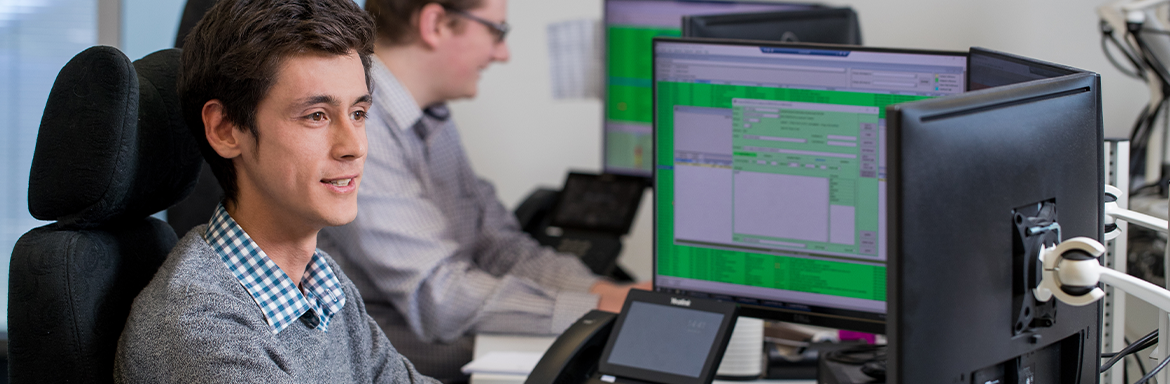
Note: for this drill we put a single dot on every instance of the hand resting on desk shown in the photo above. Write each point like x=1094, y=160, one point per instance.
x=613, y=296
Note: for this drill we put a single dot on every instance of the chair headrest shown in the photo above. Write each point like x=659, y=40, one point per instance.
x=112, y=143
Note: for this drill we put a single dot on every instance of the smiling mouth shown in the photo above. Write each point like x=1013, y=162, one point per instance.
x=339, y=182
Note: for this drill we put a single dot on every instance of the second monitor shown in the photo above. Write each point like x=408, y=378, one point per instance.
x=827, y=25
x=630, y=25
x=770, y=187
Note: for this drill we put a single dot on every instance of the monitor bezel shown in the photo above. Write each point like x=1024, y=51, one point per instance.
x=604, y=89
x=820, y=316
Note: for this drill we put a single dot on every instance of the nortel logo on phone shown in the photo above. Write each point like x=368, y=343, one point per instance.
x=680, y=302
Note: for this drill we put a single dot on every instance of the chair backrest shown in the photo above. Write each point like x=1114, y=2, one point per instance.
x=193, y=11
x=112, y=149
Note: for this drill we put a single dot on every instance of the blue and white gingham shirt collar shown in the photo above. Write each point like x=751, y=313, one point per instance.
x=276, y=294
x=392, y=96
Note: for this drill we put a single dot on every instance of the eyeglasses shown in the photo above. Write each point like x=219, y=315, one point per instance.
x=498, y=29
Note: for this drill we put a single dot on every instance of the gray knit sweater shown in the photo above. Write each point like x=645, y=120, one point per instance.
x=195, y=323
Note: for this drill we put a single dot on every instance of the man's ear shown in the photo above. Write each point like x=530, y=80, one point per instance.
x=433, y=24
x=221, y=133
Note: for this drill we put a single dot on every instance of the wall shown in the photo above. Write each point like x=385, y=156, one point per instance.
x=519, y=137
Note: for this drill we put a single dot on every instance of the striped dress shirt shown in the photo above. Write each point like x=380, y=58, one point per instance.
x=433, y=241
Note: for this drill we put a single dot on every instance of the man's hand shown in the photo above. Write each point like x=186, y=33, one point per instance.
x=614, y=295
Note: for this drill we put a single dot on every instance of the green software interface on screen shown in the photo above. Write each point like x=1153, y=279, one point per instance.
x=770, y=180
x=631, y=26
x=628, y=61
x=628, y=101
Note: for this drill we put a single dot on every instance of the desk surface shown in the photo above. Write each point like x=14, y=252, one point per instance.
x=515, y=343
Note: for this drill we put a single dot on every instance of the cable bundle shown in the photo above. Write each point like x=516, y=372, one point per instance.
x=1134, y=44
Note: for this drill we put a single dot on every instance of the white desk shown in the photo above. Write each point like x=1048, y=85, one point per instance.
x=512, y=343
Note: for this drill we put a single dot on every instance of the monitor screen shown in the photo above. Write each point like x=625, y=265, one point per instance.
x=770, y=182
x=629, y=27
x=605, y=203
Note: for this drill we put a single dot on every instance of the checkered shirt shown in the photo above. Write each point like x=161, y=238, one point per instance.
x=275, y=293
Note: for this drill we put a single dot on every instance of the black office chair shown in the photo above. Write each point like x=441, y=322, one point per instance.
x=197, y=208
x=112, y=149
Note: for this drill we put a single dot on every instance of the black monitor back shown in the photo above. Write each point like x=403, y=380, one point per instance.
x=958, y=166
x=828, y=26
x=988, y=69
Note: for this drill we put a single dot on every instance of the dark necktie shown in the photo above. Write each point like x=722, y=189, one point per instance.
x=438, y=112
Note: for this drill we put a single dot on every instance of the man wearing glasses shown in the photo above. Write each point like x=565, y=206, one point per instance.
x=433, y=252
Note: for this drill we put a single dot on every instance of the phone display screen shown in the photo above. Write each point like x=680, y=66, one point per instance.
x=666, y=339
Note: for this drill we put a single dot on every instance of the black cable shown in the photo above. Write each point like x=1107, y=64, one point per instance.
x=1153, y=372
x=1138, y=359
x=1129, y=55
x=1139, y=138
x=1159, y=70
x=1125, y=371
x=1150, y=126
x=1157, y=31
x=1129, y=349
x=1145, y=123
x=1143, y=346
x=1141, y=366
x=1145, y=342
x=1156, y=186
x=1152, y=61
x=1141, y=124
x=1137, y=123
x=1105, y=39
x=1107, y=29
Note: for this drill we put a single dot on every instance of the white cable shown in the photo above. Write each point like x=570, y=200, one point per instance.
x=1141, y=5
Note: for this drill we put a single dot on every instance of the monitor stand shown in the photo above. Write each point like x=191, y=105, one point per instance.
x=791, y=358
x=835, y=371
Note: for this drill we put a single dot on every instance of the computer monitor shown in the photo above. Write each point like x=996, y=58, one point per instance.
x=629, y=27
x=966, y=174
x=770, y=172
x=828, y=25
x=993, y=69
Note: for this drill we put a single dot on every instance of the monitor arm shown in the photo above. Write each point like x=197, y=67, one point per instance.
x=1071, y=271
x=1113, y=212
x=1071, y=274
